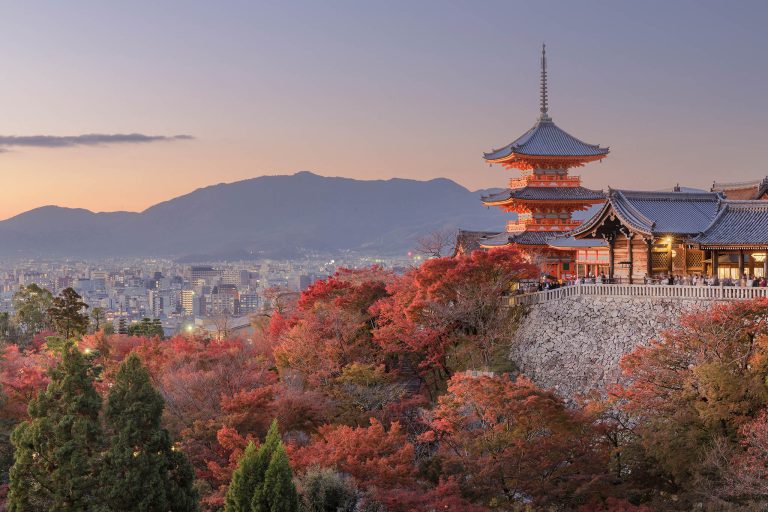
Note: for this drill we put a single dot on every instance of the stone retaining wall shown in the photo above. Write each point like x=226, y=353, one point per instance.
x=574, y=344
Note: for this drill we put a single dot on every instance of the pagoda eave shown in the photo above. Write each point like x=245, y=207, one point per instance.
x=525, y=162
x=544, y=202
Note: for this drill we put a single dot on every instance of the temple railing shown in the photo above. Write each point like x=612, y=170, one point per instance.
x=721, y=293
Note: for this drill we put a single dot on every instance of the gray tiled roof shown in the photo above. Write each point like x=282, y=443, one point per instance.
x=469, y=241
x=546, y=139
x=546, y=194
x=738, y=223
x=659, y=213
x=568, y=242
x=523, y=238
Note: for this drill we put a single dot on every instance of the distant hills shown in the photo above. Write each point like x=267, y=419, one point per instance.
x=274, y=216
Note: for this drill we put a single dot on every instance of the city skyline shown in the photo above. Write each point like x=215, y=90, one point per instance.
x=204, y=93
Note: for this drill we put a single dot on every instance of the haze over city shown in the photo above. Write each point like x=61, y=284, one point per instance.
x=210, y=92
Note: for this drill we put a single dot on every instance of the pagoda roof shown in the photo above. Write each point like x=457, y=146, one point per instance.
x=522, y=238
x=529, y=193
x=657, y=213
x=547, y=139
x=739, y=223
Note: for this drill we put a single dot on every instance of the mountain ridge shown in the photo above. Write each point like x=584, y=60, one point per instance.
x=278, y=214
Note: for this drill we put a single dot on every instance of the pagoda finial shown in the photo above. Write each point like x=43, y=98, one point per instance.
x=544, y=100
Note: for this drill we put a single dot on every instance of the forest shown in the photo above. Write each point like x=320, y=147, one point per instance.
x=375, y=392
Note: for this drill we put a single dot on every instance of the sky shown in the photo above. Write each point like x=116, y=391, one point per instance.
x=120, y=105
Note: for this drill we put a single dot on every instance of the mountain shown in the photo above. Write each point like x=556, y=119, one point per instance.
x=270, y=215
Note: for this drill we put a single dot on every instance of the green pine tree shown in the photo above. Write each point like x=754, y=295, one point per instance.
x=243, y=483
x=250, y=472
x=67, y=314
x=277, y=493
x=142, y=471
x=56, y=450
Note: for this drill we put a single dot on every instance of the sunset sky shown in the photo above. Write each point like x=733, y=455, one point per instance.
x=370, y=90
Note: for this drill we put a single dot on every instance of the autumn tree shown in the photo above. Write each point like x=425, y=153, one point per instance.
x=67, y=314
x=332, y=326
x=691, y=395
x=142, y=470
x=704, y=380
x=510, y=442
x=56, y=450
x=451, y=313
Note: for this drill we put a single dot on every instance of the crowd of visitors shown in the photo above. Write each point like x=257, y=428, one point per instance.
x=551, y=283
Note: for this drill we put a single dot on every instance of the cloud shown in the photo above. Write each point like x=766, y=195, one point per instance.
x=90, y=139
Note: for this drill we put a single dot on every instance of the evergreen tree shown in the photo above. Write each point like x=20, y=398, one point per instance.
x=56, y=449
x=250, y=473
x=244, y=482
x=67, y=314
x=31, y=304
x=325, y=489
x=142, y=471
x=277, y=493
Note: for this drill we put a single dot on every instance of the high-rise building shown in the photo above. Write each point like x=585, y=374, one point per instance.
x=188, y=302
x=206, y=273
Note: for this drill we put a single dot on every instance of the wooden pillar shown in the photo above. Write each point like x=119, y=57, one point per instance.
x=611, y=251
x=715, y=256
x=741, y=264
x=751, y=265
x=630, y=258
x=649, y=263
x=765, y=267
x=669, y=256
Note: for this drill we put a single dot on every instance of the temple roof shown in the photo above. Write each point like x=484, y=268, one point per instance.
x=545, y=194
x=469, y=241
x=547, y=139
x=753, y=189
x=737, y=223
x=522, y=238
x=657, y=213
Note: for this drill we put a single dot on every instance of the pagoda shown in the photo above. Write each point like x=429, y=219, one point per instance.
x=544, y=195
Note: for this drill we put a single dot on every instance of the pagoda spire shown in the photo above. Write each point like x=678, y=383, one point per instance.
x=544, y=99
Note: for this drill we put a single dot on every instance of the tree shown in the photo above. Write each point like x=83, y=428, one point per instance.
x=31, y=304
x=142, y=471
x=9, y=332
x=450, y=314
x=56, y=449
x=248, y=479
x=147, y=327
x=98, y=316
x=695, y=388
x=331, y=326
x=436, y=244
x=277, y=493
x=324, y=489
x=245, y=480
x=67, y=314
x=508, y=441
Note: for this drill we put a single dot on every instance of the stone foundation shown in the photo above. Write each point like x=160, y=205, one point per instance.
x=574, y=344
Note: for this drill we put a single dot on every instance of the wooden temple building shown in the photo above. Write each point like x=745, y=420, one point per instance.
x=635, y=235
x=543, y=195
x=655, y=234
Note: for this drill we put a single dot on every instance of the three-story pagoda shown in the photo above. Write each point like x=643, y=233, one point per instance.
x=544, y=195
